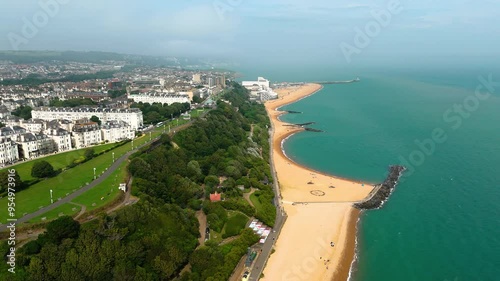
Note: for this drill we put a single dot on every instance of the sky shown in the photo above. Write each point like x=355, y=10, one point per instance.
x=274, y=31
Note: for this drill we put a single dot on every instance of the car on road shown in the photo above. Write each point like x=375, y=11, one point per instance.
x=245, y=276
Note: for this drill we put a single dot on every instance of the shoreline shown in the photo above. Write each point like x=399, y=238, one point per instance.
x=305, y=230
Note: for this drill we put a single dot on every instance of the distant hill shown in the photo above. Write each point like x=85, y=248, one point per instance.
x=20, y=57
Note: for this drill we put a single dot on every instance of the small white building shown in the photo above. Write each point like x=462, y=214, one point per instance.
x=35, y=144
x=260, y=89
x=61, y=137
x=261, y=83
x=162, y=98
x=33, y=125
x=115, y=131
x=86, y=133
x=9, y=152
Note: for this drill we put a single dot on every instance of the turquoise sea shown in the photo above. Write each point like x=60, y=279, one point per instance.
x=443, y=220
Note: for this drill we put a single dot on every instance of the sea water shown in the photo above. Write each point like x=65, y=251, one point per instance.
x=443, y=220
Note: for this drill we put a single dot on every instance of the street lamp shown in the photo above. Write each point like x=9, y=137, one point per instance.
x=94, y=173
x=149, y=135
x=51, y=200
x=132, y=144
x=113, y=157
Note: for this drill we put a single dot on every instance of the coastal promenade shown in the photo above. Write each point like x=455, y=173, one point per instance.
x=306, y=231
x=262, y=258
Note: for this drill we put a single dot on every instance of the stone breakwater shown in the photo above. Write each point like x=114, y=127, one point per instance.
x=381, y=194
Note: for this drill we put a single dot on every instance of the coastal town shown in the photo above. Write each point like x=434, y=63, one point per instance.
x=55, y=106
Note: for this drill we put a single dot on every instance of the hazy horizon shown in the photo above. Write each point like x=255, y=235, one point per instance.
x=294, y=32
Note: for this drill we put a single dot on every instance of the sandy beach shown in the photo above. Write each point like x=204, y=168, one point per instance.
x=317, y=241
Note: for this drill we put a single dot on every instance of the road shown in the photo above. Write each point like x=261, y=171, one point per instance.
x=86, y=188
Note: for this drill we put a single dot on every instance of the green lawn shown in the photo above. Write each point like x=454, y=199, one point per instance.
x=215, y=236
x=105, y=192
x=58, y=161
x=67, y=209
x=256, y=202
x=235, y=223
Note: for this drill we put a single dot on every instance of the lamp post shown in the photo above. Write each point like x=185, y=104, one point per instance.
x=132, y=143
x=113, y=157
x=149, y=135
x=94, y=173
x=51, y=200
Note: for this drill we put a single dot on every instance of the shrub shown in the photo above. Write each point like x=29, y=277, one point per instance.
x=42, y=169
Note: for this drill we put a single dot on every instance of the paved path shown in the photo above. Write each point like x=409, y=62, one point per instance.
x=261, y=260
x=247, y=196
x=202, y=219
x=83, y=208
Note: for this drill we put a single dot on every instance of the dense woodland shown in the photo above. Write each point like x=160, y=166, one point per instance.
x=154, y=113
x=156, y=238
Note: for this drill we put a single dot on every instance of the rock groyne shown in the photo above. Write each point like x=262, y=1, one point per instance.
x=384, y=191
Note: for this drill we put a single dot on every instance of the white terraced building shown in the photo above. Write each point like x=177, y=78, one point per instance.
x=131, y=116
x=9, y=152
x=115, y=131
x=160, y=98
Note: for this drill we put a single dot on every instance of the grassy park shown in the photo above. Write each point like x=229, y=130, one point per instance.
x=58, y=161
x=256, y=202
x=234, y=225
x=38, y=195
x=105, y=192
x=108, y=190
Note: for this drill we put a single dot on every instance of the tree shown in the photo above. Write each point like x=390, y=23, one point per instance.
x=194, y=170
x=95, y=119
x=42, y=169
x=23, y=112
x=4, y=181
x=211, y=181
x=89, y=153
